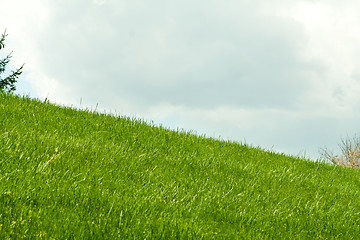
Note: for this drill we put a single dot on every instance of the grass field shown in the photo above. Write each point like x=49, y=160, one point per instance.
x=69, y=174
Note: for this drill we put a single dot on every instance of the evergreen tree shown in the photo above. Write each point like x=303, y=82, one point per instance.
x=8, y=84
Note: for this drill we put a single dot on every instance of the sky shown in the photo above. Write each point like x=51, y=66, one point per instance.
x=281, y=75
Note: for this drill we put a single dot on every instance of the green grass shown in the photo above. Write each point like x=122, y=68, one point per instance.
x=69, y=174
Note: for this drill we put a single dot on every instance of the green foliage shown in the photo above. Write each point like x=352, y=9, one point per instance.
x=8, y=84
x=69, y=174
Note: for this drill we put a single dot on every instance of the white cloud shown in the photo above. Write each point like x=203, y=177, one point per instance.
x=24, y=22
x=198, y=57
x=100, y=2
x=333, y=36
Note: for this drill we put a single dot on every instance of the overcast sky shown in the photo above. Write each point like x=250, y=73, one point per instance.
x=282, y=75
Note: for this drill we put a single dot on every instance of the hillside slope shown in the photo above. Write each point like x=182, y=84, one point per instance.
x=69, y=174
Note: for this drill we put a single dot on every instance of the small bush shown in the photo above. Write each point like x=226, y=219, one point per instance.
x=350, y=150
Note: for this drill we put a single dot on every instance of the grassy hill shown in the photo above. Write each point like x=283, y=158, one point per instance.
x=69, y=174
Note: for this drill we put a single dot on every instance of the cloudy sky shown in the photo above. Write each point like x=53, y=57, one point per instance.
x=282, y=75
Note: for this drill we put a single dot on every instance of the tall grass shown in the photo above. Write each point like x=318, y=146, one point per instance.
x=69, y=174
